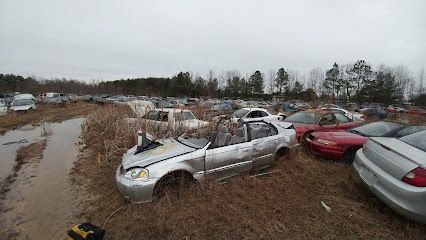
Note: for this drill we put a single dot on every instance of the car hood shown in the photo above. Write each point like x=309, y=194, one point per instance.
x=169, y=148
x=21, y=108
x=339, y=135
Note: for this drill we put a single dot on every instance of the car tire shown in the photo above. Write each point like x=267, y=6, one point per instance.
x=172, y=184
x=281, y=153
x=349, y=155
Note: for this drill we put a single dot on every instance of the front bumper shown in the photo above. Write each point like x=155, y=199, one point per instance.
x=403, y=198
x=135, y=191
x=323, y=150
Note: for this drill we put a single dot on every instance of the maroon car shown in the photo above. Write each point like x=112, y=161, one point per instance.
x=344, y=144
x=315, y=120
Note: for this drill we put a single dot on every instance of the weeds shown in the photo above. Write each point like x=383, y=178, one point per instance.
x=283, y=205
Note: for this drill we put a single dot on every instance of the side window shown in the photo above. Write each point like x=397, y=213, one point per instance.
x=261, y=130
x=328, y=119
x=264, y=114
x=153, y=115
x=253, y=114
x=341, y=118
x=164, y=116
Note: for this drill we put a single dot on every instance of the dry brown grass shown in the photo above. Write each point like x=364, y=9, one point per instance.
x=45, y=113
x=285, y=205
x=31, y=153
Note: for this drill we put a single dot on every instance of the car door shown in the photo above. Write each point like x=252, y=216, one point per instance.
x=228, y=161
x=264, y=141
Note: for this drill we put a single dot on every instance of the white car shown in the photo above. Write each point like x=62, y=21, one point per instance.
x=22, y=105
x=24, y=96
x=358, y=117
x=251, y=114
x=3, y=107
x=173, y=119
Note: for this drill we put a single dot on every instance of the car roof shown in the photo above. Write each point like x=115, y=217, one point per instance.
x=172, y=110
x=254, y=109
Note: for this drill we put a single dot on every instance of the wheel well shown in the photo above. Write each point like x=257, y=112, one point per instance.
x=177, y=174
x=282, y=151
x=353, y=149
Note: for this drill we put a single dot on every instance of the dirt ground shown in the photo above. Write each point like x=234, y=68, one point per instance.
x=45, y=113
x=284, y=205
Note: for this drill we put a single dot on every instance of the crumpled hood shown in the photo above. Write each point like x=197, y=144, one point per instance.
x=170, y=148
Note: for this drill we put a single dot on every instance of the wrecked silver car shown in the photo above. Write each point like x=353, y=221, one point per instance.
x=147, y=167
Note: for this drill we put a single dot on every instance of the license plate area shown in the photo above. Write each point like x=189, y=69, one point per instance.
x=369, y=177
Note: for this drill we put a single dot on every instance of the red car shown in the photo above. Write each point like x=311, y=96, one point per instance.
x=314, y=120
x=415, y=111
x=344, y=144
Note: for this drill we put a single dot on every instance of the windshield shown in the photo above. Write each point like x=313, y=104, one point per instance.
x=192, y=142
x=184, y=116
x=22, y=102
x=417, y=140
x=218, y=107
x=241, y=113
x=303, y=117
x=377, y=129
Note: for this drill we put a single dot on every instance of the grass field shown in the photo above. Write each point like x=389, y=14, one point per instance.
x=284, y=205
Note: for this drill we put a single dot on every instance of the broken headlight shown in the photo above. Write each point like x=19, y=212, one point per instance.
x=139, y=174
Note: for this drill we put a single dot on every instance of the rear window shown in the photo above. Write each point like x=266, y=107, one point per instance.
x=417, y=140
x=378, y=129
x=303, y=117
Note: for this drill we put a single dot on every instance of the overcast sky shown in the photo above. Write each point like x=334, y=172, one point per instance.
x=111, y=39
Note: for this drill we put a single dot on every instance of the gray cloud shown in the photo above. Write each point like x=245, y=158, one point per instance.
x=108, y=39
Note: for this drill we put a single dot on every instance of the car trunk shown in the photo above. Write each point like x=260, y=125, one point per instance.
x=393, y=156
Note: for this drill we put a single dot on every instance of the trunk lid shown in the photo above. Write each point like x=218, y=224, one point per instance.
x=394, y=156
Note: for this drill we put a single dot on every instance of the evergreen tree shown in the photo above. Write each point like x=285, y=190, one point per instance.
x=331, y=81
x=256, y=83
x=281, y=80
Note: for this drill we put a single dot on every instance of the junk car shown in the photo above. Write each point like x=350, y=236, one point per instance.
x=153, y=164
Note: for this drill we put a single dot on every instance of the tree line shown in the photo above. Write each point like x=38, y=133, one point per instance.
x=357, y=81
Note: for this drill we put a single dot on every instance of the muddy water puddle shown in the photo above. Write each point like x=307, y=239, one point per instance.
x=40, y=203
x=12, y=140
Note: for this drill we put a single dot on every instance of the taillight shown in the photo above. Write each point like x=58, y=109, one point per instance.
x=416, y=177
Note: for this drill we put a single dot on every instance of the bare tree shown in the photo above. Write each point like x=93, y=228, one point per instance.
x=421, y=76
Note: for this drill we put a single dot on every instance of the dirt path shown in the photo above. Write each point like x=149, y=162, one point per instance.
x=40, y=203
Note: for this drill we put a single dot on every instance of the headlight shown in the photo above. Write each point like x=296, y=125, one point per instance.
x=326, y=142
x=139, y=174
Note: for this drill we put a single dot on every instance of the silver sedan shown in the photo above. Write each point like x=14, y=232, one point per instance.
x=395, y=171
x=152, y=165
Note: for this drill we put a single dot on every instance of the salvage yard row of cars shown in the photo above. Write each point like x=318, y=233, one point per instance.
x=389, y=157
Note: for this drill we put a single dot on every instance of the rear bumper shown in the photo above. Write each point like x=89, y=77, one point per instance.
x=405, y=199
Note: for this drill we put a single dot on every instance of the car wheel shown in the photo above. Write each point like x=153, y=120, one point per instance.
x=173, y=184
x=281, y=153
x=349, y=155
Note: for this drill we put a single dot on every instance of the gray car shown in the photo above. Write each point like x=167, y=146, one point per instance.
x=149, y=166
x=395, y=171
